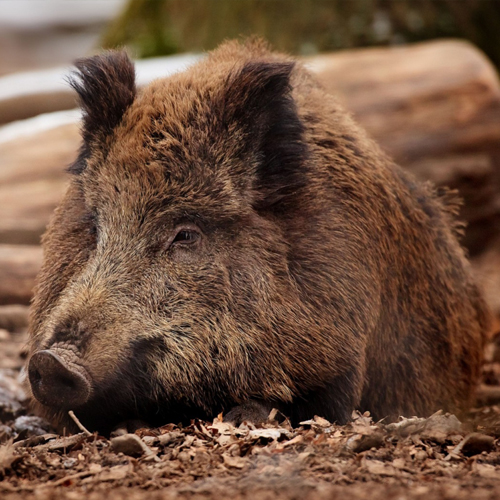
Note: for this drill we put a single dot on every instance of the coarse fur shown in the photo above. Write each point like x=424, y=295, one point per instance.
x=321, y=279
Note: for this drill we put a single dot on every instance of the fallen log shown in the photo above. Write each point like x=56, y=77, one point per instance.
x=19, y=265
x=488, y=395
x=486, y=268
x=435, y=108
x=14, y=317
x=30, y=93
x=423, y=100
x=32, y=181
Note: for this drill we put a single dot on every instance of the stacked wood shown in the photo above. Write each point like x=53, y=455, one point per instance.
x=32, y=180
x=434, y=107
x=19, y=265
x=31, y=93
x=13, y=318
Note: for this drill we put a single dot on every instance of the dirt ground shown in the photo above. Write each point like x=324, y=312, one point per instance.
x=438, y=457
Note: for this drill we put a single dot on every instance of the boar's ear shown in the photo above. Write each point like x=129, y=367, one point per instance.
x=106, y=88
x=259, y=99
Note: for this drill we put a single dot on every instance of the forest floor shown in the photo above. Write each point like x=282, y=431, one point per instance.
x=438, y=457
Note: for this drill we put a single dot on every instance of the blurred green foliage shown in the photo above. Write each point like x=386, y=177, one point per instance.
x=159, y=27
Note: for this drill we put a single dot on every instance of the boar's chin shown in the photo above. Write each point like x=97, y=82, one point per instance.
x=116, y=405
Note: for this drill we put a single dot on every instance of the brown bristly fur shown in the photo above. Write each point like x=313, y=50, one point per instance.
x=323, y=278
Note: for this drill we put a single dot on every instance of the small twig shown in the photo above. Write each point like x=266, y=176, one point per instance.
x=79, y=424
x=455, y=453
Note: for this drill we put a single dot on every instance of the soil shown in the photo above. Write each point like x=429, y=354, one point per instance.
x=416, y=458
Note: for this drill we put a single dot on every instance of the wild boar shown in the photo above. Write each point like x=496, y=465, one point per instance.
x=232, y=241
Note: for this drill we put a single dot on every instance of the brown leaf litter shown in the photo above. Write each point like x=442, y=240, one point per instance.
x=414, y=458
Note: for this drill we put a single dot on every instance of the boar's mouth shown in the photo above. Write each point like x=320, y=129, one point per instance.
x=60, y=383
x=57, y=380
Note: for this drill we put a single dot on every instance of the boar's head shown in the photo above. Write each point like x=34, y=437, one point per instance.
x=167, y=285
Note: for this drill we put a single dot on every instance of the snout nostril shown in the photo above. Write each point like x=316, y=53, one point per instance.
x=67, y=382
x=35, y=377
x=57, y=383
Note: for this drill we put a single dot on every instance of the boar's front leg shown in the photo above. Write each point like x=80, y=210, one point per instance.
x=129, y=426
x=335, y=401
x=252, y=411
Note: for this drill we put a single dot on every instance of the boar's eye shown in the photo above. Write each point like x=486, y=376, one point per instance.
x=186, y=236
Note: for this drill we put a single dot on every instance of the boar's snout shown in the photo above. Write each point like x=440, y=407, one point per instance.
x=58, y=382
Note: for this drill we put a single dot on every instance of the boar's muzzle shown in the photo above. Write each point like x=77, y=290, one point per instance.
x=58, y=382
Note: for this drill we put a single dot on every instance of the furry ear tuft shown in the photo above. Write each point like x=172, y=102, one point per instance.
x=259, y=99
x=106, y=87
x=255, y=87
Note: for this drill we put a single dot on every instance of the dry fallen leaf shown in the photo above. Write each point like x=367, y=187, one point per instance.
x=379, y=468
x=362, y=442
x=275, y=433
x=236, y=462
x=7, y=457
x=132, y=445
x=115, y=473
x=487, y=471
x=436, y=428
